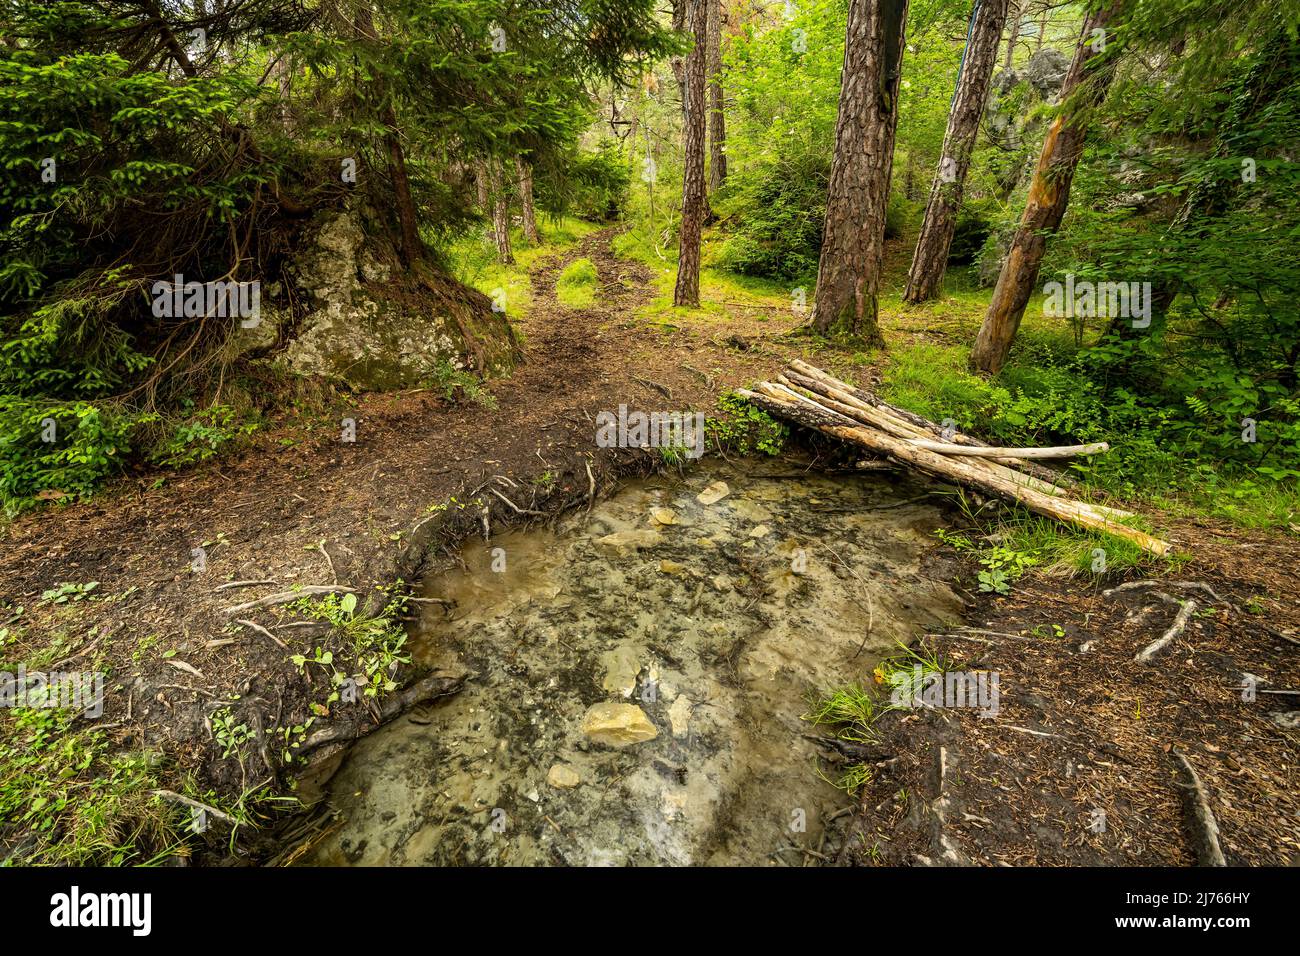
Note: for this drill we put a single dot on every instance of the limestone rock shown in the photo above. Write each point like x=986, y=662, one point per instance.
x=621, y=670
x=563, y=777
x=714, y=493
x=1046, y=71
x=618, y=725
x=663, y=515
x=627, y=542
x=367, y=323
x=679, y=715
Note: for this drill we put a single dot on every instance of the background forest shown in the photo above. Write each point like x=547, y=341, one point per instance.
x=375, y=201
x=141, y=140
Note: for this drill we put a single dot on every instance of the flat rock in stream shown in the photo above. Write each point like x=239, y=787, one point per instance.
x=714, y=493
x=664, y=515
x=563, y=777
x=629, y=542
x=619, y=725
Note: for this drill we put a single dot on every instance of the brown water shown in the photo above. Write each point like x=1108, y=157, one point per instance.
x=718, y=626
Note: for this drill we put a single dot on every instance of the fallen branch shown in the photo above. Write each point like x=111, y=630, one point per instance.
x=205, y=808
x=1058, y=451
x=832, y=423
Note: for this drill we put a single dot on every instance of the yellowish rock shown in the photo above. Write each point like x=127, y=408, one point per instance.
x=563, y=777
x=626, y=542
x=761, y=531
x=714, y=493
x=664, y=515
x=619, y=725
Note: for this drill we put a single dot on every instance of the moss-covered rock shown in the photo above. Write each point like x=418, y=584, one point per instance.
x=369, y=321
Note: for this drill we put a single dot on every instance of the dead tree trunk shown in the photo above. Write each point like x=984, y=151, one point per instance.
x=931, y=256
x=1049, y=193
x=717, y=116
x=687, y=291
x=853, y=243
x=525, y=172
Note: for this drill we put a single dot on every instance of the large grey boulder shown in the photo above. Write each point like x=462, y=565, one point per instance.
x=364, y=319
x=1046, y=71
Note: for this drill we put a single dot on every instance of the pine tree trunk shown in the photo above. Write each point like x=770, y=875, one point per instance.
x=687, y=291
x=1049, y=193
x=931, y=257
x=481, y=185
x=680, y=24
x=500, y=213
x=412, y=248
x=1017, y=14
x=853, y=243
x=525, y=171
x=717, y=117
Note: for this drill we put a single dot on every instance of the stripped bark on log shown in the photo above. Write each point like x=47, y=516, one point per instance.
x=852, y=415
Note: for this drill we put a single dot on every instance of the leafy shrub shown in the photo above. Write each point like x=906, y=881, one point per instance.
x=746, y=428
x=201, y=436
x=62, y=449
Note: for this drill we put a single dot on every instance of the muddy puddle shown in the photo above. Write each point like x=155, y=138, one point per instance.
x=639, y=676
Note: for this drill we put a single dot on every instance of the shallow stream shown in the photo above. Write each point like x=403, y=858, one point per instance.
x=639, y=676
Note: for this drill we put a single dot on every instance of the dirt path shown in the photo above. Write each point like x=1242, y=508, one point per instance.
x=324, y=511
x=1082, y=730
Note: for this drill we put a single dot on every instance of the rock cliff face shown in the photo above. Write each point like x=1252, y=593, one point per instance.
x=363, y=318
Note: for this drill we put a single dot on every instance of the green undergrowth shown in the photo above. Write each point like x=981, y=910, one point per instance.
x=473, y=260
x=1184, y=457
x=577, y=284
x=850, y=712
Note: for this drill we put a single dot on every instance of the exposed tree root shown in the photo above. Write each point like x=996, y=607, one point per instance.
x=1206, y=828
x=1145, y=655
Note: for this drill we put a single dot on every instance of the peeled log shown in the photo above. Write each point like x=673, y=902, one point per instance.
x=936, y=465
x=924, y=424
x=1059, y=451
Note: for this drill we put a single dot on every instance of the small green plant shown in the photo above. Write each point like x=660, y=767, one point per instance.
x=851, y=709
x=1048, y=631
x=229, y=735
x=68, y=592
x=457, y=385
x=201, y=436
x=1002, y=568
x=745, y=428
x=378, y=644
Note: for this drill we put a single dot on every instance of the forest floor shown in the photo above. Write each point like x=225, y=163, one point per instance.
x=1095, y=731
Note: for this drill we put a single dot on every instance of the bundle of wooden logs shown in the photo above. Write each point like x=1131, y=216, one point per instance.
x=808, y=396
